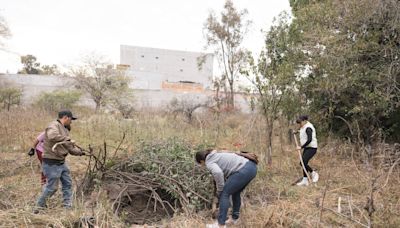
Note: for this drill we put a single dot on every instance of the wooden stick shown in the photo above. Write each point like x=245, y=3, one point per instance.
x=119, y=145
x=351, y=209
x=297, y=181
x=301, y=160
x=323, y=199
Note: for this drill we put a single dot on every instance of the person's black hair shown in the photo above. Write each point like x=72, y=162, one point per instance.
x=301, y=118
x=202, y=155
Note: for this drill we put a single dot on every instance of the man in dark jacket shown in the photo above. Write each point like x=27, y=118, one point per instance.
x=57, y=145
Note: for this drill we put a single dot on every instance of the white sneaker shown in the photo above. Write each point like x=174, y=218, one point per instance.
x=303, y=182
x=215, y=225
x=314, y=176
x=232, y=221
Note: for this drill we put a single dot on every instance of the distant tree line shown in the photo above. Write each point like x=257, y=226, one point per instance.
x=32, y=66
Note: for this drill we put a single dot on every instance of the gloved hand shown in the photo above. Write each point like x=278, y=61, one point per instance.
x=31, y=152
x=214, y=207
x=218, y=195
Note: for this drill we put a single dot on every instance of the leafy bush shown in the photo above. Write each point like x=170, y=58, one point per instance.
x=54, y=101
x=124, y=103
x=187, y=106
x=10, y=96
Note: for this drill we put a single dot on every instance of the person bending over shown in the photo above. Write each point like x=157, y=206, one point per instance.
x=232, y=173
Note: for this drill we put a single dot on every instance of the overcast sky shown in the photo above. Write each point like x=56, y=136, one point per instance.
x=61, y=31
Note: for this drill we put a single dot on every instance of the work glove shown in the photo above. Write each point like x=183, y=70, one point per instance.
x=80, y=150
x=31, y=152
x=218, y=195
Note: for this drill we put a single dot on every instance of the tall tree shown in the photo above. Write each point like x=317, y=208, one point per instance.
x=273, y=75
x=101, y=81
x=352, y=51
x=49, y=70
x=225, y=35
x=30, y=65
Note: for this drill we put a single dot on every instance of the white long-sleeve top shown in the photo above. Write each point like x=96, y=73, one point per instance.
x=304, y=138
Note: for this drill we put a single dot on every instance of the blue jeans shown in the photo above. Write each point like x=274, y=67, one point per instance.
x=54, y=174
x=234, y=185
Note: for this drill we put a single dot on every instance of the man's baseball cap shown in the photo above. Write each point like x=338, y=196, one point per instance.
x=67, y=113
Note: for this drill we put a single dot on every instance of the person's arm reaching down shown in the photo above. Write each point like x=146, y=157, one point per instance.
x=218, y=175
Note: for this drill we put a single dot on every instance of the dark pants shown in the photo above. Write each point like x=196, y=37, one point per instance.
x=234, y=185
x=40, y=157
x=308, y=153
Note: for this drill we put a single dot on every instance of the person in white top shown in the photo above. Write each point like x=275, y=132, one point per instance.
x=309, y=144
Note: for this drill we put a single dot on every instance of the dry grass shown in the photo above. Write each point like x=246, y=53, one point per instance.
x=270, y=201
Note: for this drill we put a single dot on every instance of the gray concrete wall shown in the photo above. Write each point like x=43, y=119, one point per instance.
x=34, y=85
x=148, y=93
x=161, y=98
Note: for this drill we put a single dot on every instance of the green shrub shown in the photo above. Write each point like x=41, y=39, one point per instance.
x=54, y=101
x=10, y=96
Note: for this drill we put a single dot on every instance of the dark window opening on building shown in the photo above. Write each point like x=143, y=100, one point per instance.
x=183, y=59
x=187, y=82
x=181, y=70
x=142, y=56
x=156, y=57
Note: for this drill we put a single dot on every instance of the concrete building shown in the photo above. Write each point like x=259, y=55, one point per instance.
x=160, y=75
x=167, y=67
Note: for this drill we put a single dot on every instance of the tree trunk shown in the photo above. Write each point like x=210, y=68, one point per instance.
x=290, y=133
x=217, y=98
x=98, y=105
x=270, y=126
x=9, y=103
x=232, y=96
x=281, y=137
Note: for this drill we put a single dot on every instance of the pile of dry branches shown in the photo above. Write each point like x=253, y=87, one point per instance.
x=157, y=181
